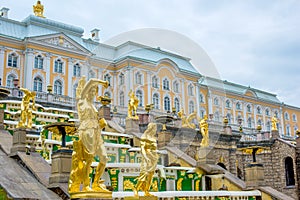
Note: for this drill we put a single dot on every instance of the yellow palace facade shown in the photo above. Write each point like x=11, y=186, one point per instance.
x=38, y=52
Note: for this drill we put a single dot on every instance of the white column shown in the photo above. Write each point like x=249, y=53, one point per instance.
x=282, y=128
x=48, y=70
x=197, y=98
x=149, y=87
x=183, y=106
x=254, y=115
x=245, y=113
x=128, y=82
x=115, y=85
x=210, y=103
x=264, y=118
x=2, y=64
x=233, y=106
x=70, y=74
x=29, y=61
x=222, y=107
x=100, y=76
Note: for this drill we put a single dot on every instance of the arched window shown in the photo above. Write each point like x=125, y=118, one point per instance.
x=228, y=116
x=258, y=110
x=176, y=104
x=76, y=70
x=249, y=121
x=37, y=84
x=289, y=171
x=155, y=100
x=288, y=130
x=259, y=122
x=139, y=95
x=12, y=60
x=276, y=114
x=176, y=86
x=167, y=104
x=107, y=77
x=10, y=81
x=58, y=66
x=122, y=99
x=267, y=112
x=238, y=106
x=268, y=126
x=294, y=117
x=38, y=62
x=216, y=101
x=154, y=82
x=191, y=107
x=191, y=90
x=138, y=78
x=228, y=103
x=166, y=84
x=121, y=79
x=58, y=87
x=286, y=116
x=91, y=74
x=201, y=99
x=74, y=89
x=248, y=108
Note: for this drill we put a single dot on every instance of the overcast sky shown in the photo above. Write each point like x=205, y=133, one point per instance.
x=251, y=42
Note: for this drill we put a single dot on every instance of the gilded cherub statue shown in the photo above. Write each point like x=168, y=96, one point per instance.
x=90, y=143
x=38, y=9
x=149, y=160
x=26, y=111
x=132, y=105
x=274, y=123
x=204, y=131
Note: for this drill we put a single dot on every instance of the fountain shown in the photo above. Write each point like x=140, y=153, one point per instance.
x=164, y=137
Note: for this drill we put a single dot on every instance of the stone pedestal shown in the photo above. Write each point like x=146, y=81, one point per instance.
x=19, y=141
x=254, y=175
x=163, y=138
x=205, y=156
x=1, y=119
x=132, y=125
x=104, y=112
x=61, y=166
x=275, y=134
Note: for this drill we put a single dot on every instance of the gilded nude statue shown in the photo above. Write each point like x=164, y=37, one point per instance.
x=90, y=143
x=149, y=160
x=274, y=123
x=204, y=131
x=132, y=105
x=26, y=110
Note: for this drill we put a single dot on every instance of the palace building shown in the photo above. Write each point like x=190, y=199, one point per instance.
x=50, y=57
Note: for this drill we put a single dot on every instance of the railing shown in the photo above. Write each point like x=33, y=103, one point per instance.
x=196, y=195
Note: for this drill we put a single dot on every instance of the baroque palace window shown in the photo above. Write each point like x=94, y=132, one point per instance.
x=167, y=104
x=139, y=95
x=121, y=98
x=58, y=87
x=176, y=86
x=191, y=90
x=38, y=62
x=37, y=84
x=76, y=70
x=12, y=60
x=58, y=66
x=155, y=100
x=176, y=104
x=10, y=81
x=154, y=82
x=121, y=79
x=166, y=84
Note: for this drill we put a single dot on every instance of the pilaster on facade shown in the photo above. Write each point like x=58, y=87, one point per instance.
x=70, y=74
x=28, y=67
x=255, y=115
x=183, y=95
x=149, y=74
x=245, y=114
x=198, y=98
x=128, y=82
x=2, y=63
x=115, y=85
x=47, y=63
x=282, y=127
x=210, y=103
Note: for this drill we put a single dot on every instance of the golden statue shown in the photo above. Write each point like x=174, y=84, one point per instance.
x=132, y=105
x=204, y=131
x=149, y=160
x=186, y=121
x=38, y=9
x=89, y=145
x=274, y=123
x=26, y=112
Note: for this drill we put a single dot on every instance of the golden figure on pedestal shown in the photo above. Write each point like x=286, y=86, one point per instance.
x=149, y=160
x=132, y=105
x=204, y=131
x=26, y=111
x=38, y=9
x=89, y=145
x=274, y=123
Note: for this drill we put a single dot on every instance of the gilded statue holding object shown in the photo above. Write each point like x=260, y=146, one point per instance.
x=274, y=123
x=149, y=160
x=38, y=9
x=132, y=105
x=26, y=110
x=89, y=145
x=204, y=131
